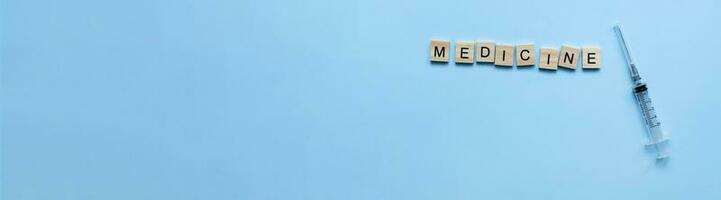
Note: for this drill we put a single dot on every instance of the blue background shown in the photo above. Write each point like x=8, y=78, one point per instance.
x=322, y=99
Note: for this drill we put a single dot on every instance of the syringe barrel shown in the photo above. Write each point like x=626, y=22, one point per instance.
x=653, y=125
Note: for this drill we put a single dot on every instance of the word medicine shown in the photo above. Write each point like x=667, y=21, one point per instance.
x=503, y=55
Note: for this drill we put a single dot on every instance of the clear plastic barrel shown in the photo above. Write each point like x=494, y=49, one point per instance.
x=655, y=134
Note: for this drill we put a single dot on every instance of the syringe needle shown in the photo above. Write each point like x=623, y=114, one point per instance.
x=627, y=54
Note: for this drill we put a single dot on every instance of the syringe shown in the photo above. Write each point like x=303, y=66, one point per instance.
x=653, y=125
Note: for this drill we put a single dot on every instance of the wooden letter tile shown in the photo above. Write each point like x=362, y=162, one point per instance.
x=591, y=58
x=504, y=55
x=440, y=50
x=464, y=52
x=549, y=59
x=485, y=51
x=568, y=57
x=525, y=55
